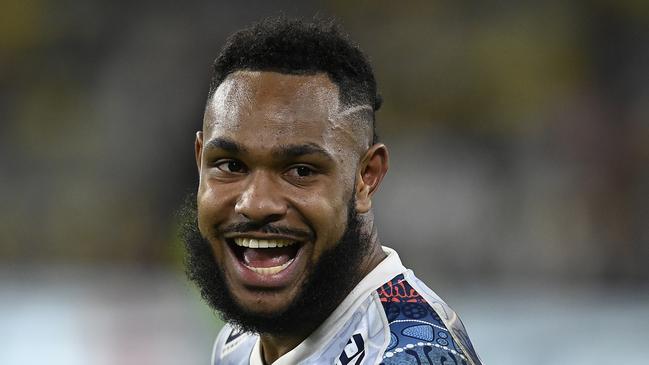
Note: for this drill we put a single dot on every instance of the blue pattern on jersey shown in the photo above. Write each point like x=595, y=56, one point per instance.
x=417, y=334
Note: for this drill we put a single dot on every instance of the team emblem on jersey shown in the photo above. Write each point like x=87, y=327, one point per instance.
x=354, y=351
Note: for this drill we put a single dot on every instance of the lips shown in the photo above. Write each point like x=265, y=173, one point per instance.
x=265, y=262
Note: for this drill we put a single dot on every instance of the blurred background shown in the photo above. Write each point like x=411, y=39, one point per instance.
x=518, y=189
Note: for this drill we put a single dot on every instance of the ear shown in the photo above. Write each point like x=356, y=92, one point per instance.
x=198, y=149
x=372, y=169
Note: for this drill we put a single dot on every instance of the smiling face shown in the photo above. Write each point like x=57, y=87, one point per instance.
x=278, y=159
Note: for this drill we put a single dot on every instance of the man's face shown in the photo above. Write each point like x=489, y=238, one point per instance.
x=278, y=159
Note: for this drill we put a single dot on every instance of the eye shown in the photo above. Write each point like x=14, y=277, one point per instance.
x=301, y=171
x=232, y=166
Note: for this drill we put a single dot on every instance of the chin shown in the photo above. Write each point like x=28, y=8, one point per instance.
x=264, y=303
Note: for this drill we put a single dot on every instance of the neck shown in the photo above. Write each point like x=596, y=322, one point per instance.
x=274, y=346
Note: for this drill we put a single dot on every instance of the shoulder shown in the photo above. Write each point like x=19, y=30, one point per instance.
x=233, y=347
x=423, y=329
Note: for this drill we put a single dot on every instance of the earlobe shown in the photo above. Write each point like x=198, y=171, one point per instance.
x=198, y=149
x=373, y=168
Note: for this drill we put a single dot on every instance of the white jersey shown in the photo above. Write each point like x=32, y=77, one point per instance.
x=390, y=318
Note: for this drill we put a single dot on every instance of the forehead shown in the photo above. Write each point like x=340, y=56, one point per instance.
x=269, y=108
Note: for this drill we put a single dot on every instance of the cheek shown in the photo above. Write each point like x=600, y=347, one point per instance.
x=328, y=216
x=212, y=207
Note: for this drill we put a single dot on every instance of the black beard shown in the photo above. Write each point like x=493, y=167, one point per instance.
x=327, y=284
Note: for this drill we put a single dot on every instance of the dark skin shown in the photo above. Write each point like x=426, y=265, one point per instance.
x=281, y=149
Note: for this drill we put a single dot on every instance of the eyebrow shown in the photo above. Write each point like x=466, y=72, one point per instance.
x=285, y=151
x=225, y=144
x=297, y=150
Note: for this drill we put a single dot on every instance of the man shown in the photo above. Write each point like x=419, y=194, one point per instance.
x=282, y=240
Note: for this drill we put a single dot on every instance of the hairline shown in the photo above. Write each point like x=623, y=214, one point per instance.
x=348, y=111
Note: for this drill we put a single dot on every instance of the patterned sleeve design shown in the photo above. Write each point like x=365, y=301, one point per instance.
x=417, y=334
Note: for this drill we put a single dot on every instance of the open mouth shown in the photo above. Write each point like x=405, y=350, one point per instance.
x=264, y=256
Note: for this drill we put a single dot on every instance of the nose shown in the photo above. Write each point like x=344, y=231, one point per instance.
x=261, y=201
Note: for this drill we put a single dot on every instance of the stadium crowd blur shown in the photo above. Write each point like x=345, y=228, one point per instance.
x=519, y=134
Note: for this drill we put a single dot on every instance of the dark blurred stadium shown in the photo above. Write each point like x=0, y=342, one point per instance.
x=519, y=134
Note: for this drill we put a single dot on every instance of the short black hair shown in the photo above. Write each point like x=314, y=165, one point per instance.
x=294, y=46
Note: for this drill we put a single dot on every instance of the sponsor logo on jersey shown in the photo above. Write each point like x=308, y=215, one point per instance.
x=354, y=351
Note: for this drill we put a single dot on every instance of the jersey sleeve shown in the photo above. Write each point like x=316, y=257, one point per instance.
x=418, y=335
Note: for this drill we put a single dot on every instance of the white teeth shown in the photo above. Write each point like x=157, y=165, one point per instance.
x=255, y=243
x=271, y=243
x=269, y=270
